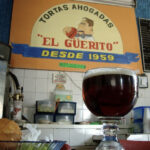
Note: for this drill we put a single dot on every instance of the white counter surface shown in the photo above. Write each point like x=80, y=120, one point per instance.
x=72, y=126
x=72, y=132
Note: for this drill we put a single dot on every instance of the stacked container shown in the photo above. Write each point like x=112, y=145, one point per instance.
x=65, y=108
x=60, y=112
x=45, y=112
x=65, y=112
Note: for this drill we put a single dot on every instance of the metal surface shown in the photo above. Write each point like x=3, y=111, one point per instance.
x=4, y=59
x=3, y=69
x=5, y=52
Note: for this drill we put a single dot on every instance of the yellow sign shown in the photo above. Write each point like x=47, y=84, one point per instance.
x=73, y=36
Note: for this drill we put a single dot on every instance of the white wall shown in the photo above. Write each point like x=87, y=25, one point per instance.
x=38, y=85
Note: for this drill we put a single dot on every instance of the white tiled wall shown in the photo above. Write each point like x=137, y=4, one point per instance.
x=38, y=85
x=62, y=135
x=72, y=136
x=75, y=134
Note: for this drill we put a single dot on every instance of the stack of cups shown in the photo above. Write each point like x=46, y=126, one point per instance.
x=146, y=120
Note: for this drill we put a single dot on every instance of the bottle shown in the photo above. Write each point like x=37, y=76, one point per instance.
x=110, y=141
x=18, y=102
x=11, y=105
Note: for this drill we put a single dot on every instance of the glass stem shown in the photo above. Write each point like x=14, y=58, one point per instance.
x=110, y=141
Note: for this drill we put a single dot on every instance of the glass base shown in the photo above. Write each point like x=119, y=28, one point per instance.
x=114, y=120
x=110, y=119
x=110, y=141
x=109, y=145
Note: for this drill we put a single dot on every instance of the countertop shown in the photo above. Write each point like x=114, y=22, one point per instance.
x=72, y=126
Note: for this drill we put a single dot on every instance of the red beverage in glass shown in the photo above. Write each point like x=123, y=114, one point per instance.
x=110, y=91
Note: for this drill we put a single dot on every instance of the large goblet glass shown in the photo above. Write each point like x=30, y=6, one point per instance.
x=110, y=93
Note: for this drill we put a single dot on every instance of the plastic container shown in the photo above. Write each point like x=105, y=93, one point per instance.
x=139, y=113
x=45, y=106
x=63, y=95
x=44, y=118
x=64, y=119
x=66, y=108
x=31, y=145
x=138, y=126
x=141, y=119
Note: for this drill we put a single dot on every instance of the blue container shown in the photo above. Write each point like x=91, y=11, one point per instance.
x=64, y=118
x=32, y=145
x=44, y=118
x=138, y=126
x=138, y=118
x=139, y=112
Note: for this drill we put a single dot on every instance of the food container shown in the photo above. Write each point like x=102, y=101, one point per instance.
x=45, y=106
x=44, y=118
x=64, y=118
x=63, y=95
x=31, y=145
x=66, y=108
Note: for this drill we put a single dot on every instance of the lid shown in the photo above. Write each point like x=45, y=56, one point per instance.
x=141, y=107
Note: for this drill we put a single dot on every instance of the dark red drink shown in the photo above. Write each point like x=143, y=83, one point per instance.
x=110, y=91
